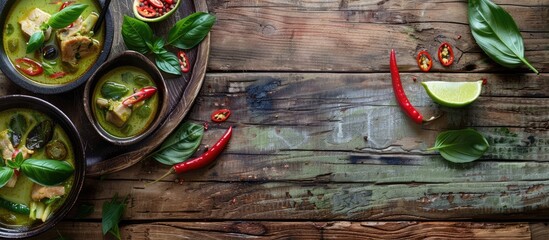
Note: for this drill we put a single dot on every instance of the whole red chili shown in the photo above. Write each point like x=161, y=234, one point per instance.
x=424, y=61
x=220, y=115
x=445, y=54
x=399, y=91
x=140, y=95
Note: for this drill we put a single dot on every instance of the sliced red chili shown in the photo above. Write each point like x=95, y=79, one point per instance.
x=65, y=4
x=146, y=12
x=184, y=61
x=29, y=66
x=156, y=3
x=221, y=115
x=424, y=61
x=58, y=75
x=142, y=94
x=445, y=54
x=169, y=2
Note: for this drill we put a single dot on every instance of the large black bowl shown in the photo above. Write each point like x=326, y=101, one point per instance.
x=9, y=70
x=29, y=102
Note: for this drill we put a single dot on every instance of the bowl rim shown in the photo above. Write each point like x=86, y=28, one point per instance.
x=21, y=80
x=160, y=85
x=34, y=103
x=156, y=19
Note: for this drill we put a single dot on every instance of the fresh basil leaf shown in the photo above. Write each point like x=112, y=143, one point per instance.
x=18, y=126
x=5, y=175
x=497, y=34
x=168, y=62
x=112, y=90
x=112, y=213
x=180, y=145
x=191, y=30
x=136, y=34
x=158, y=46
x=40, y=135
x=66, y=16
x=35, y=42
x=48, y=69
x=47, y=172
x=461, y=146
x=19, y=159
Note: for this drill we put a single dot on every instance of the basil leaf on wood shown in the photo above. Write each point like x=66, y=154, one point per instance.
x=112, y=213
x=5, y=175
x=36, y=40
x=497, y=34
x=168, y=62
x=47, y=172
x=84, y=210
x=18, y=126
x=461, y=146
x=180, y=145
x=40, y=135
x=66, y=16
x=190, y=31
x=158, y=46
x=137, y=35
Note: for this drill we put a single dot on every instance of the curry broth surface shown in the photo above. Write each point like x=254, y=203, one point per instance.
x=19, y=11
x=21, y=193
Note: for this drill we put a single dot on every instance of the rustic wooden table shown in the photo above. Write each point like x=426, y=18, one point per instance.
x=320, y=148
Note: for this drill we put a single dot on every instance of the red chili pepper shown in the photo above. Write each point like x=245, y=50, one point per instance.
x=58, y=75
x=29, y=66
x=146, y=12
x=399, y=91
x=156, y=3
x=169, y=2
x=142, y=94
x=445, y=54
x=424, y=61
x=65, y=4
x=206, y=158
x=183, y=61
x=220, y=115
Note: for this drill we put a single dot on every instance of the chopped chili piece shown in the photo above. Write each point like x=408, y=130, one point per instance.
x=221, y=115
x=146, y=12
x=156, y=3
x=29, y=66
x=142, y=94
x=424, y=61
x=65, y=4
x=445, y=54
x=58, y=75
x=183, y=61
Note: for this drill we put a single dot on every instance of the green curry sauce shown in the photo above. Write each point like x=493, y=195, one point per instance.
x=142, y=114
x=21, y=193
x=15, y=41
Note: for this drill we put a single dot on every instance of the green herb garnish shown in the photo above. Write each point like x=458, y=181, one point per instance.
x=180, y=145
x=461, y=146
x=112, y=213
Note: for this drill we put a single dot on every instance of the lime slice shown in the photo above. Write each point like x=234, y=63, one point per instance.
x=453, y=94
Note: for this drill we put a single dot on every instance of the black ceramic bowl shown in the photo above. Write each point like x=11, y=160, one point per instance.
x=29, y=102
x=127, y=58
x=21, y=80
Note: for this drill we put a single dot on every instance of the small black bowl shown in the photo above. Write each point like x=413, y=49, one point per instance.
x=127, y=58
x=29, y=102
x=21, y=80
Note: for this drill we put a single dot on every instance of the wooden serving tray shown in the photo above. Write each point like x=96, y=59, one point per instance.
x=103, y=157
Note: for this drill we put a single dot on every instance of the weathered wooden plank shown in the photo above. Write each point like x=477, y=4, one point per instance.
x=300, y=230
x=539, y=231
x=356, y=36
x=324, y=201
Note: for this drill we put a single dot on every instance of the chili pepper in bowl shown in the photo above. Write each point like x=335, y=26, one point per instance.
x=401, y=97
x=140, y=95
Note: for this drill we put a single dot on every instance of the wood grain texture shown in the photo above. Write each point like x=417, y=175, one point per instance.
x=308, y=230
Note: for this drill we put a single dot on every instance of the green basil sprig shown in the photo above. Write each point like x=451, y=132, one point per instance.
x=185, y=34
x=180, y=145
x=112, y=213
x=58, y=20
x=461, y=146
x=47, y=172
x=497, y=34
x=5, y=175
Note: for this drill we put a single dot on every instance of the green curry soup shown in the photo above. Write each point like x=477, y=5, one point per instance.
x=56, y=70
x=24, y=190
x=116, y=86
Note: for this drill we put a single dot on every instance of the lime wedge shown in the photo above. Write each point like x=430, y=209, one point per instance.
x=453, y=94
